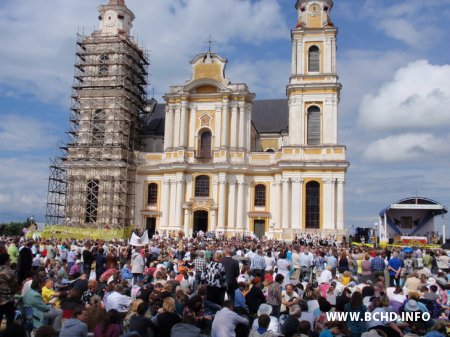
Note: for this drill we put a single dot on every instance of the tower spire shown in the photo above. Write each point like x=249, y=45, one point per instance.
x=117, y=3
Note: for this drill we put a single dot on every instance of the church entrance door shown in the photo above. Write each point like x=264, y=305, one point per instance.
x=200, y=221
x=259, y=228
x=150, y=225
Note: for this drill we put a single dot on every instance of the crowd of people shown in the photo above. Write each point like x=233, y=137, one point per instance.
x=216, y=286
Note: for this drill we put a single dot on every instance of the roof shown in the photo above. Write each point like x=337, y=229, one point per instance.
x=416, y=203
x=268, y=116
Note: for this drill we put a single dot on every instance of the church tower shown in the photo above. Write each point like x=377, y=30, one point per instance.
x=313, y=96
x=108, y=97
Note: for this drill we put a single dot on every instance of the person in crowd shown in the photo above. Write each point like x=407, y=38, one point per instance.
x=41, y=312
x=140, y=323
x=226, y=320
x=262, y=329
x=214, y=277
x=166, y=318
x=357, y=327
x=274, y=295
x=76, y=326
x=110, y=326
x=231, y=272
x=8, y=288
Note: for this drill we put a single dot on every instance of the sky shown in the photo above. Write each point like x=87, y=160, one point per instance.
x=393, y=63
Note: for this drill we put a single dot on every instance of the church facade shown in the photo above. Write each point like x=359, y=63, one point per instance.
x=212, y=157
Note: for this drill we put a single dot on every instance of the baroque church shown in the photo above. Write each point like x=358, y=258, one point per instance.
x=212, y=157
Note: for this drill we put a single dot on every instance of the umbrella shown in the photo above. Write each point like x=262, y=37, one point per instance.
x=408, y=250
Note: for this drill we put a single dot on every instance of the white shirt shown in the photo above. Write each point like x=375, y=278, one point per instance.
x=117, y=301
x=225, y=322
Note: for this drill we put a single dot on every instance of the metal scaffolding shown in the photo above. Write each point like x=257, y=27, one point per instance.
x=104, y=132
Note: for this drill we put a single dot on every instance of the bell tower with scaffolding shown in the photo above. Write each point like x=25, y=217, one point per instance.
x=109, y=94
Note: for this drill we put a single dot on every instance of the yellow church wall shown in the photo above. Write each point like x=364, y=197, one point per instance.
x=212, y=71
x=206, y=89
x=314, y=21
x=269, y=143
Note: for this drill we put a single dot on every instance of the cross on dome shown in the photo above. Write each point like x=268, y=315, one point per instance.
x=210, y=43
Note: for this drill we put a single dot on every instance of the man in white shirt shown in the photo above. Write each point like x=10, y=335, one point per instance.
x=226, y=320
x=306, y=261
x=115, y=300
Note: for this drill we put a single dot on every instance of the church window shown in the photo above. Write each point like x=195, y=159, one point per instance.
x=260, y=195
x=314, y=59
x=312, y=212
x=270, y=150
x=103, y=68
x=313, y=125
x=91, y=201
x=202, y=186
x=152, y=194
x=205, y=144
x=98, y=127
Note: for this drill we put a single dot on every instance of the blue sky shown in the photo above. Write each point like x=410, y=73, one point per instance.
x=393, y=62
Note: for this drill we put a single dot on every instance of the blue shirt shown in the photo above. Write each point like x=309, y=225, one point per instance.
x=326, y=333
x=394, y=263
x=239, y=300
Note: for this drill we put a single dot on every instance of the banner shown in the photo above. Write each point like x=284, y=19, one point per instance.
x=66, y=232
x=139, y=241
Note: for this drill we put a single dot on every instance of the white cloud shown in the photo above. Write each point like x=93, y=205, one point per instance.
x=406, y=147
x=416, y=97
x=266, y=78
x=20, y=133
x=40, y=36
x=23, y=185
x=406, y=21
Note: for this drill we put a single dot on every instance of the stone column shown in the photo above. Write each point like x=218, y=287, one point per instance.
x=179, y=203
x=295, y=208
x=225, y=125
x=168, y=134
x=187, y=221
x=212, y=226
x=294, y=58
x=300, y=204
x=231, y=204
x=333, y=56
x=192, y=117
x=327, y=57
x=184, y=122
x=285, y=200
x=173, y=191
x=234, y=126
x=176, y=126
x=333, y=204
x=217, y=132
x=241, y=137
x=222, y=203
x=327, y=208
x=340, y=205
x=300, y=57
x=165, y=204
x=276, y=204
x=240, y=206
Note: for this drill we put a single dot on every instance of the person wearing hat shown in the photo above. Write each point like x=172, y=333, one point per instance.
x=274, y=325
x=75, y=270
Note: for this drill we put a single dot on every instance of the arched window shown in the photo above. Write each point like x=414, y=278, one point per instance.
x=260, y=195
x=91, y=201
x=313, y=132
x=314, y=59
x=205, y=144
x=312, y=213
x=98, y=127
x=202, y=186
x=270, y=150
x=152, y=194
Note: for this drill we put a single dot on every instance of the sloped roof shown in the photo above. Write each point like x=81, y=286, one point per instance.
x=268, y=116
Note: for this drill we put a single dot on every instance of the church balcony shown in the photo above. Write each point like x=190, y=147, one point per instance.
x=313, y=153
